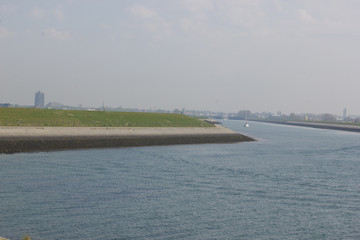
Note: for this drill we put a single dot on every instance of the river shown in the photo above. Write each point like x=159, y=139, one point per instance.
x=293, y=183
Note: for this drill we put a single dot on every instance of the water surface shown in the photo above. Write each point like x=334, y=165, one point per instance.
x=294, y=183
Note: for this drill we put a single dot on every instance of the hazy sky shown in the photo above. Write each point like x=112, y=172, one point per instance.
x=219, y=55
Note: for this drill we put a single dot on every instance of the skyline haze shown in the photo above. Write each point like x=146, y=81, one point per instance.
x=261, y=55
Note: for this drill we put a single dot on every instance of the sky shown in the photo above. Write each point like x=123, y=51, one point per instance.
x=218, y=55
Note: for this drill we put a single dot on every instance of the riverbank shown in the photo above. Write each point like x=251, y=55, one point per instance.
x=35, y=139
x=330, y=126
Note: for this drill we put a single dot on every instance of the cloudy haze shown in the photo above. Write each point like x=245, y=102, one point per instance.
x=219, y=55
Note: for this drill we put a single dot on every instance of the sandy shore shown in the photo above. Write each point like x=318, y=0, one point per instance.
x=32, y=139
x=104, y=131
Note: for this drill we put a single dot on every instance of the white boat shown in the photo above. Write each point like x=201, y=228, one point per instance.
x=246, y=122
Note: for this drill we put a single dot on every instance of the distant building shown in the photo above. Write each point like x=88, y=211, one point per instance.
x=39, y=99
x=344, y=114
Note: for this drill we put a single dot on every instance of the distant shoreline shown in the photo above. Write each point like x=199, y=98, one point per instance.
x=39, y=139
x=329, y=126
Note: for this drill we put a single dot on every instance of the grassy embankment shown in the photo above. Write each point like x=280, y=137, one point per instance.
x=73, y=118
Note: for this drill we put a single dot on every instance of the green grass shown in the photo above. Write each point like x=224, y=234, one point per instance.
x=74, y=118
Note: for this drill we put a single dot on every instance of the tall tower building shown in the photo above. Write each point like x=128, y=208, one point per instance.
x=344, y=114
x=39, y=99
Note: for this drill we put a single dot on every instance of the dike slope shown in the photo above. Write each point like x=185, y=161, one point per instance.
x=36, y=139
